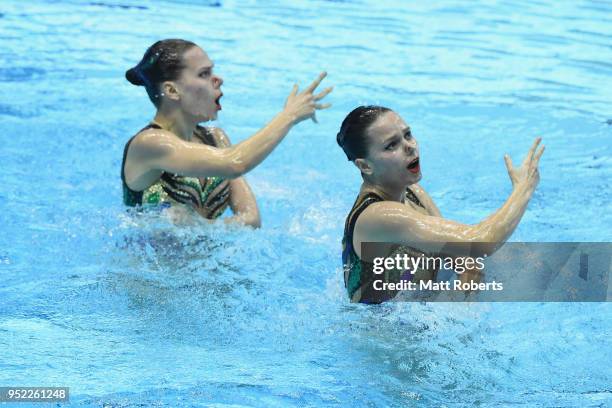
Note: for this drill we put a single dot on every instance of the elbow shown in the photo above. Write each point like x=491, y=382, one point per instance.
x=253, y=222
x=249, y=217
x=252, y=218
x=247, y=220
x=236, y=164
x=236, y=169
x=484, y=241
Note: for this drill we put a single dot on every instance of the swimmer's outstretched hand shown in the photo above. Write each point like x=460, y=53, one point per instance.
x=528, y=174
x=303, y=105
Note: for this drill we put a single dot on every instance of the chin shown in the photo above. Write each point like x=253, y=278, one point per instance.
x=415, y=179
x=207, y=118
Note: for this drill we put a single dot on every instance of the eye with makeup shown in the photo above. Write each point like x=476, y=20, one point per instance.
x=408, y=134
x=206, y=73
x=392, y=144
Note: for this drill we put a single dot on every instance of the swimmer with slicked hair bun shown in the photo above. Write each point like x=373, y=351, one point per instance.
x=391, y=207
x=173, y=161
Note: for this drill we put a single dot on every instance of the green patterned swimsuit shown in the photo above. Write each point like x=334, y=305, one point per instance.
x=358, y=275
x=208, y=195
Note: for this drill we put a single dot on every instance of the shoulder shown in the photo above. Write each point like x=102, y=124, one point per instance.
x=152, y=143
x=384, y=221
x=386, y=216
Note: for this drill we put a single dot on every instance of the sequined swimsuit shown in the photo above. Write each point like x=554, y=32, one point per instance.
x=358, y=274
x=208, y=195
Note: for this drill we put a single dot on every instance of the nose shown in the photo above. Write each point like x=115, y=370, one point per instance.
x=217, y=81
x=410, y=146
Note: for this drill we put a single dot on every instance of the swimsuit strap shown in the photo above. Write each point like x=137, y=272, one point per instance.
x=205, y=135
x=348, y=250
x=132, y=197
x=127, y=145
x=412, y=197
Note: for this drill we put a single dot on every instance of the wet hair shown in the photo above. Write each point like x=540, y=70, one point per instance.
x=352, y=137
x=163, y=61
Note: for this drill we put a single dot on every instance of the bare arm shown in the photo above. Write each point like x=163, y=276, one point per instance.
x=243, y=204
x=242, y=200
x=470, y=274
x=161, y=150
x=390, y=221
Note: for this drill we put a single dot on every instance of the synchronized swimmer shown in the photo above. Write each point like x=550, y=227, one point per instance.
x=175, y=162
x=392, y=207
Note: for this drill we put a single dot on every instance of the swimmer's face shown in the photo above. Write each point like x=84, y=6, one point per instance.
x=393, y=153
x=198, y=88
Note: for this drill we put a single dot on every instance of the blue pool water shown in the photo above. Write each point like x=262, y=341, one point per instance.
x=136, y=312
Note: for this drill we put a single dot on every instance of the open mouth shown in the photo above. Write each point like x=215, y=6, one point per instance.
x=414, y=166
x=218, y=102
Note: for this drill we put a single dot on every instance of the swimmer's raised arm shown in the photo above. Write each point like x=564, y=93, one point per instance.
x=390, y=221
x=161, y=150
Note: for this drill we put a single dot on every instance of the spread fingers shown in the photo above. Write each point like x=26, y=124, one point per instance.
x=529, y=157
x=324, y=93
x=536, y=159
x=316, y=82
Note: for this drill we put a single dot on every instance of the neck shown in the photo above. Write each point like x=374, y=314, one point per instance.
x=176, y=123
x=388, y=193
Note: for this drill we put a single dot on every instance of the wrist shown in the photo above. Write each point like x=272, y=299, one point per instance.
x=522, y=190
x=288, y=117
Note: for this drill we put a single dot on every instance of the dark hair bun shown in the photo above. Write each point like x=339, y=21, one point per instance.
x=340, y=138
x=132, y=76
x=163, y=61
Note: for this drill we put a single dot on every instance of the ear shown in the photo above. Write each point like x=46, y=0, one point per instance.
x=170, y=91
x=364, y=166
